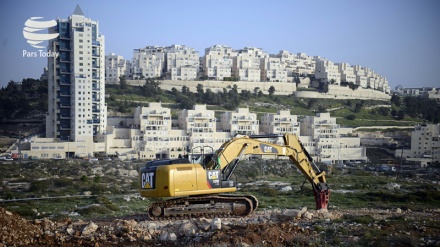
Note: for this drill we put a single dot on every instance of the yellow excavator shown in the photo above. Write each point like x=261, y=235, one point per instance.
x=200, y=186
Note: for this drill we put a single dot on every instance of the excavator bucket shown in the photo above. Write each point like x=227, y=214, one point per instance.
x=321, y=198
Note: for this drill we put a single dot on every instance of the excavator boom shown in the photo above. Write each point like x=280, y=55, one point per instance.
x=229, y=154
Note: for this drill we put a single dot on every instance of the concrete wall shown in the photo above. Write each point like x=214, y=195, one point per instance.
x=281, y=88
x=338, y=92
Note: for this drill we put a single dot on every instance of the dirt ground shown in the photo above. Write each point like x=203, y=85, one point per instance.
x=269, y=228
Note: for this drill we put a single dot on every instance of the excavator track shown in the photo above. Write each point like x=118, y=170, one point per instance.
x=221, y=205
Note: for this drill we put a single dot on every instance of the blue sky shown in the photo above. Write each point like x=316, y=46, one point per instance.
x=399, y=39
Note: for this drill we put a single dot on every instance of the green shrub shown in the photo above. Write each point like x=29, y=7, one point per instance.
x=97, y=179
x=62, y=182
x=269, y=192
x=94, y=209
x=84, y=179
x=39, y=186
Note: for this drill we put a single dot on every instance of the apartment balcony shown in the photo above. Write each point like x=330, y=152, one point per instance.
x=152, y=127
x=64, y=71
x=65, y=94
x=65, y=105
x=96, y=78
x=64, y=59
x=325, y=122
x=201, y=130
x=64, y=48
x=95, y=54
x=64, y=36
x=80, y=76
x=64, y=127
x=65, y=83
x=95, y=110
x=95, y=99
x=96, y=43
x=65, y=117
x=247, y=133
x=96, y=121
x=153, y=122
x=327, y=136
x=287, y=130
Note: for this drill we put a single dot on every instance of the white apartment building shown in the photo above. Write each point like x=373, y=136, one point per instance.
x=77, y=113
x=280, y=123
x=366, y=78
x=76, y=108
x=115, y=67
x=147, y=135
x=425, y=145
x=240, y=122
x=361, y=76
x=149, y=62
x=182, y=63
x=327, y=71
x=246, y=65
x=428, y=92
x=433, y=93
x=347, y=72
x=297, y=65
x=327, y=142
x=218, y=61
x=200, y=125
x=273, y=69
x=151, y=133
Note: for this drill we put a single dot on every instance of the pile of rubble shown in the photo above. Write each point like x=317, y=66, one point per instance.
x=271, y=227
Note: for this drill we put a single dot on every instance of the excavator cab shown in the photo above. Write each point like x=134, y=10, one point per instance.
x=183, y=177
x=200, y=156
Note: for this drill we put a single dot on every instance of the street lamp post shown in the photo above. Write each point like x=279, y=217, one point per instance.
x=19, y=146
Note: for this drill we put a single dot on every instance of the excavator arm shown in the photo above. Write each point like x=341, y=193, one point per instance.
x=227, y=157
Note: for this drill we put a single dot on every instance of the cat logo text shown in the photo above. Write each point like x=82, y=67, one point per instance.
x=148, y=180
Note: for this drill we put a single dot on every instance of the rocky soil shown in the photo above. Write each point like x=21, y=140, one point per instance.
x=288, y=227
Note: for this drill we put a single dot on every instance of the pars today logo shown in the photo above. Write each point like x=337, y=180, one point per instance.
x=32, y=33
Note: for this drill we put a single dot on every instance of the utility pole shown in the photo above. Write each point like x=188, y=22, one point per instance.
x=19, y=146
x=68, y=147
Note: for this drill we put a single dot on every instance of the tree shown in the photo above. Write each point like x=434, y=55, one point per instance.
x=123, y=85
x=395, y=99
x=151, y=88
x=271, y=91
x=186, y=102
x=351, y=117
x=174, y=91
x=323, y=87
x=358, y=106
x=256, y=89
x=245, y=94
x=400, y=115
x=185, y=90
x=311, y=102
x=384, y=111
x=200, y=89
